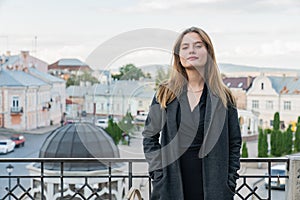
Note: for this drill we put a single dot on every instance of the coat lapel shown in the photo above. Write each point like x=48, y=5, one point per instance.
x=214, y=121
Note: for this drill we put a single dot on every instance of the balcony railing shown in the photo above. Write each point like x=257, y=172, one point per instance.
x=16, y=110
x=17, y=186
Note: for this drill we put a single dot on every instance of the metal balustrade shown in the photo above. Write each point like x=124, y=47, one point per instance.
x=19, y=190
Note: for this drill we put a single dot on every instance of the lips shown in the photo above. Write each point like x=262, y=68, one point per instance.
x=192, y=58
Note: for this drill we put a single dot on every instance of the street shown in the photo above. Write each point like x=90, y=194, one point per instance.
x=30, y=150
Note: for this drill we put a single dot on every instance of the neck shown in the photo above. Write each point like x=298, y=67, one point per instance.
x=196, y=81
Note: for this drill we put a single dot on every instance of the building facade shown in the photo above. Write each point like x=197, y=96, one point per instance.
x=29, y=99
x=21, y=61
x=114, y=99
x=270, y=94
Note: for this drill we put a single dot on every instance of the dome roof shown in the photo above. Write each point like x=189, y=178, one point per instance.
x=78, y=140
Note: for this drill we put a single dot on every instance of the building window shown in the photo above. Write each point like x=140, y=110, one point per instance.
x=255, y=104
x=286, y=105
x=140, y=103
x=15, y=103
x=102, y=106
x=262, y=86
x=269, y=105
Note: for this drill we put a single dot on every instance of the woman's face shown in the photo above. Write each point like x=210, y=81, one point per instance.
x=192, y=52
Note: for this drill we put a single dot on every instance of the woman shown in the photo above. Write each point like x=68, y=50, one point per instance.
x=197, y=155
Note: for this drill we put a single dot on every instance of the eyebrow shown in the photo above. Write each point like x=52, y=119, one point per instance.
x=200, y=42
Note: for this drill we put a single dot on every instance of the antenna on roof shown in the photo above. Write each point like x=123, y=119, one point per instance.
x=35, y=46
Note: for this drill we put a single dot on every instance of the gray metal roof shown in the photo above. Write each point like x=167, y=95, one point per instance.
x=44, y=76
x=19, y=78
x=76, y=91
x=70, y=62
x=118, y=88
x=285, y=85
x=78, y=140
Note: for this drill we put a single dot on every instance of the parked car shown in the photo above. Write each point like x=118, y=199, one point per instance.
x=278, y=183
x=6, y=145
x=83, y=113
x=103, y=123
x=141, y=117
x=18, y=139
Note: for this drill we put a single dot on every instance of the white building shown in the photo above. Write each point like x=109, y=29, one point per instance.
x=30, y=99
x=275, y=94
x=21, y=61
x=115, y=99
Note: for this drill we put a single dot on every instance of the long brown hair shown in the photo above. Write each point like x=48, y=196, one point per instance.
x=172, y=88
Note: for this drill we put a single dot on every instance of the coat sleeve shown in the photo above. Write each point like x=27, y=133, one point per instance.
x=151, y=144
x=234, y=146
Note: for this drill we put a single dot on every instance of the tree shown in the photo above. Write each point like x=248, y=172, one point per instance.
x=276, y=121
x=297, y=137
x=114, y=130
x=85, y=77
x=288, y=140
x=244, y=150
x=274, y=134
x=260, y=143
x=265, y=144
x=279, y=143
x=129, y=72
x=126, y=123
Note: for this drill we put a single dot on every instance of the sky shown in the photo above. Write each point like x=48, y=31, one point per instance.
x=263, y=33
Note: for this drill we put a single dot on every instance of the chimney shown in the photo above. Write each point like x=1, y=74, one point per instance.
x=24, y=54
x=249, y=81
x=24, y=58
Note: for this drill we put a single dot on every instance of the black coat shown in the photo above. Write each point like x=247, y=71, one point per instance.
x=220, y=149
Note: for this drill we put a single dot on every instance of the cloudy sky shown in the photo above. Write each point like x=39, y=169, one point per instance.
x=262, y=33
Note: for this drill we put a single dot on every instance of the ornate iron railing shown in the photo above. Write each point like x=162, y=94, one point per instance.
x=110, y=178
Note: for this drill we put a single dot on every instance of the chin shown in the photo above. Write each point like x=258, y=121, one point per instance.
x=194, y=66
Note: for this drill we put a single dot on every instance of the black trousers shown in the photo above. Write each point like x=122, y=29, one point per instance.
x=191, y=173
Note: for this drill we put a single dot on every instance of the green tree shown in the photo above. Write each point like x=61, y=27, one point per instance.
x=274, y=135
x=114, y=130
x=265, y=144
x=297, y=137
x=260, y=143
x=279, y=143
x=244, y=150
x=276, y=121
x=85, y=77
x=129, y=72
x=126, y=123
x=288, y=140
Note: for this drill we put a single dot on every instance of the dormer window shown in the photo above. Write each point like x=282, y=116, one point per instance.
x=262, y=86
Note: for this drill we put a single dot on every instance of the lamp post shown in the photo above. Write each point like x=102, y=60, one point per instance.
x=9, y=170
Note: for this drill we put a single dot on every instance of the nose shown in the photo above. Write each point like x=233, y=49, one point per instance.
x=191, y=50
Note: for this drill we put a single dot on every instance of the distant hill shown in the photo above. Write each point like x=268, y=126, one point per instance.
x=224, y=68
